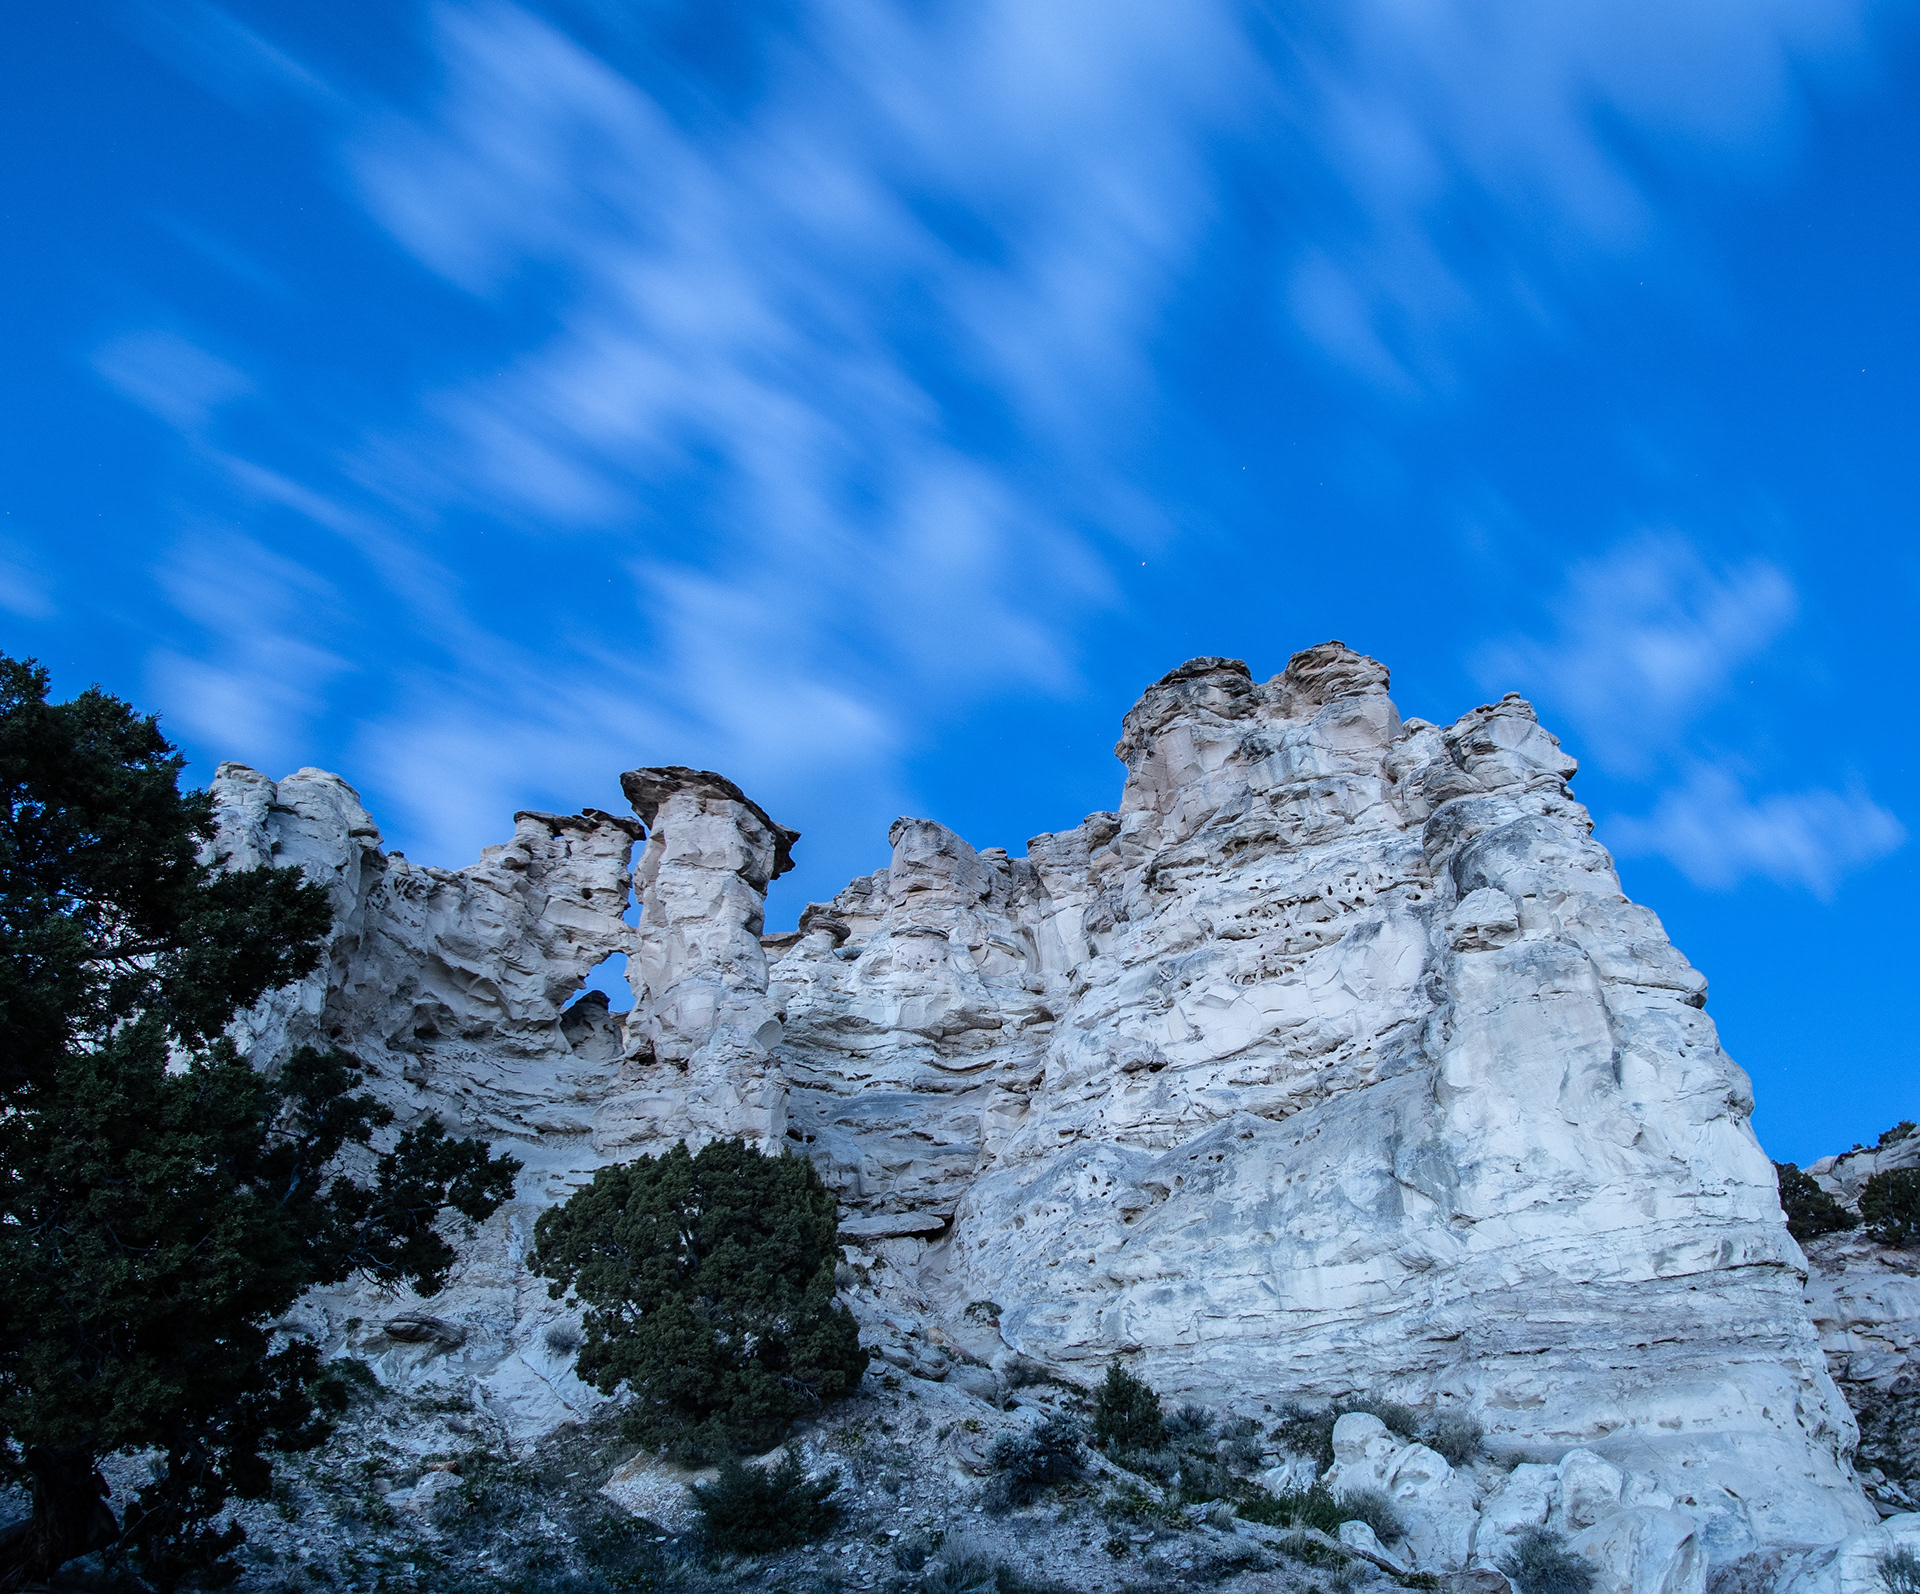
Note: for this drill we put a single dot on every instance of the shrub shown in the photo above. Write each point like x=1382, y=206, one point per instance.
x=1201, y=1478
x=1312, y=1507
x=1190, y=1422
x=964, y=1566
x=1375, y=1509
x=1810, y=1210
x=1900, y=1569
x=1458, y=1436
x=1242, y=1446
x=757, y=1510
x=1309, y=1432
x=911, y=1551
x=1539, y=1562
x=1899, y=1132
x=1033, y=1459
x=1403, y=1420
x=1127, y=1414
x=708, y=1283
x=1305, y=1432
x=1891, y=1206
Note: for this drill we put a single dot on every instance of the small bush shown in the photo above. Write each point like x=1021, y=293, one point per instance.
x=1900, y=1569
x=1899, y=1132
x=1375, y=1509
x=1810, y=1210
x=755, y=1510
x=1458, y=1436
x=964, y=1566
x=911, y=1551
x=1403, y=1420
x=1033, y=1459
x=1241, y=1446
x=1312, y=1507
x=1305, y=1431
x=1539, y=1562
x=1159, y=1465
x=1200, y=1479
x=1190, y=1423
x=1891, y=1206
x=1127, y=1414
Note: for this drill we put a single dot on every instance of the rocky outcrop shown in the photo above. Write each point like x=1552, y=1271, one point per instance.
x=1332, y=1062
x=1865, y=1302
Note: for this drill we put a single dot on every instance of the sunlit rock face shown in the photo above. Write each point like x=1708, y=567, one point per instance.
x=1333, y=1062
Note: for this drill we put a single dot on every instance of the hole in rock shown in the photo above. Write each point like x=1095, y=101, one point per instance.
x=609, y=977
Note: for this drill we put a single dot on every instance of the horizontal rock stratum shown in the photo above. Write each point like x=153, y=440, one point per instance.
x=1332, y=1062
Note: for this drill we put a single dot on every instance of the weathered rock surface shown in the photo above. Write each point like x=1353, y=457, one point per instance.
x=1333, y=1061
x=1865, y=1303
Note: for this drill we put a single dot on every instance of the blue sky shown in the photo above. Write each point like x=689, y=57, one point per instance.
x=867, y=400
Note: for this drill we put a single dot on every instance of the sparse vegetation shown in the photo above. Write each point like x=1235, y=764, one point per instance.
x=1126, y=1416
x=751, y=1510
x=1313, y=1507
x=1903, y=1130
x=912, y=1551
x=1539, y=1562
x=1308, y=1431
x=1033, y=1459
x=708, y=1281
x=1810, y=1210
x=1190, y=1422
x=1900, y=1569
x=1373, y=1508
x=1458, y=1436
x=1891, y=1207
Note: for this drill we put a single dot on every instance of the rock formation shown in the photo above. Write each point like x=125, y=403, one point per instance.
x=1332, y=1062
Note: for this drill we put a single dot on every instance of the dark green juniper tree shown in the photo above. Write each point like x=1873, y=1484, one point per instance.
x=161, y=1203
x=709, y=1288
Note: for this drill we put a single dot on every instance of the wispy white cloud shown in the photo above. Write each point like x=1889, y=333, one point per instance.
x=1491, y=158
x=1648, y=637
x=261, y=676
x=170, y=376
x=1717, y=836
x=25, y=588
x=844, y=373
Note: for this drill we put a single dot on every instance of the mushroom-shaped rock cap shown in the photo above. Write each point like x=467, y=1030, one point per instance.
x=648, y=789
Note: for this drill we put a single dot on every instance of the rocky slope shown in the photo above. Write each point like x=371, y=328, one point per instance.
x=1332, y=1062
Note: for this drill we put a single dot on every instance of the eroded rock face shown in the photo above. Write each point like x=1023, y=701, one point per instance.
x=1332, y=1062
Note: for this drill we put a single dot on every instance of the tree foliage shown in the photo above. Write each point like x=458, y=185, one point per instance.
x=750, y=1510
x=1126, y=1414
x=162, y=1202
x=1810, y=1210
x=708, y=1281
x=1891, y=1206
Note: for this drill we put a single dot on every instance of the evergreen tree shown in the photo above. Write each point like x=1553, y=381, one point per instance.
x=1809, y=1210
x=709, y=1288
x=161, y=1202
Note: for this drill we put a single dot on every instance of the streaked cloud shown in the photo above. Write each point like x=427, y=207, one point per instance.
x=1717, y=836
x=170, y=376
x=1647, y=640
x=261, y=673
x=835, y=382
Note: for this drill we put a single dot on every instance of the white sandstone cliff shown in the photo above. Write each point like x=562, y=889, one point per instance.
x=1334, y=1061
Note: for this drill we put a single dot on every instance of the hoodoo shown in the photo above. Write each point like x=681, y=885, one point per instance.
x=1333, y=1060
